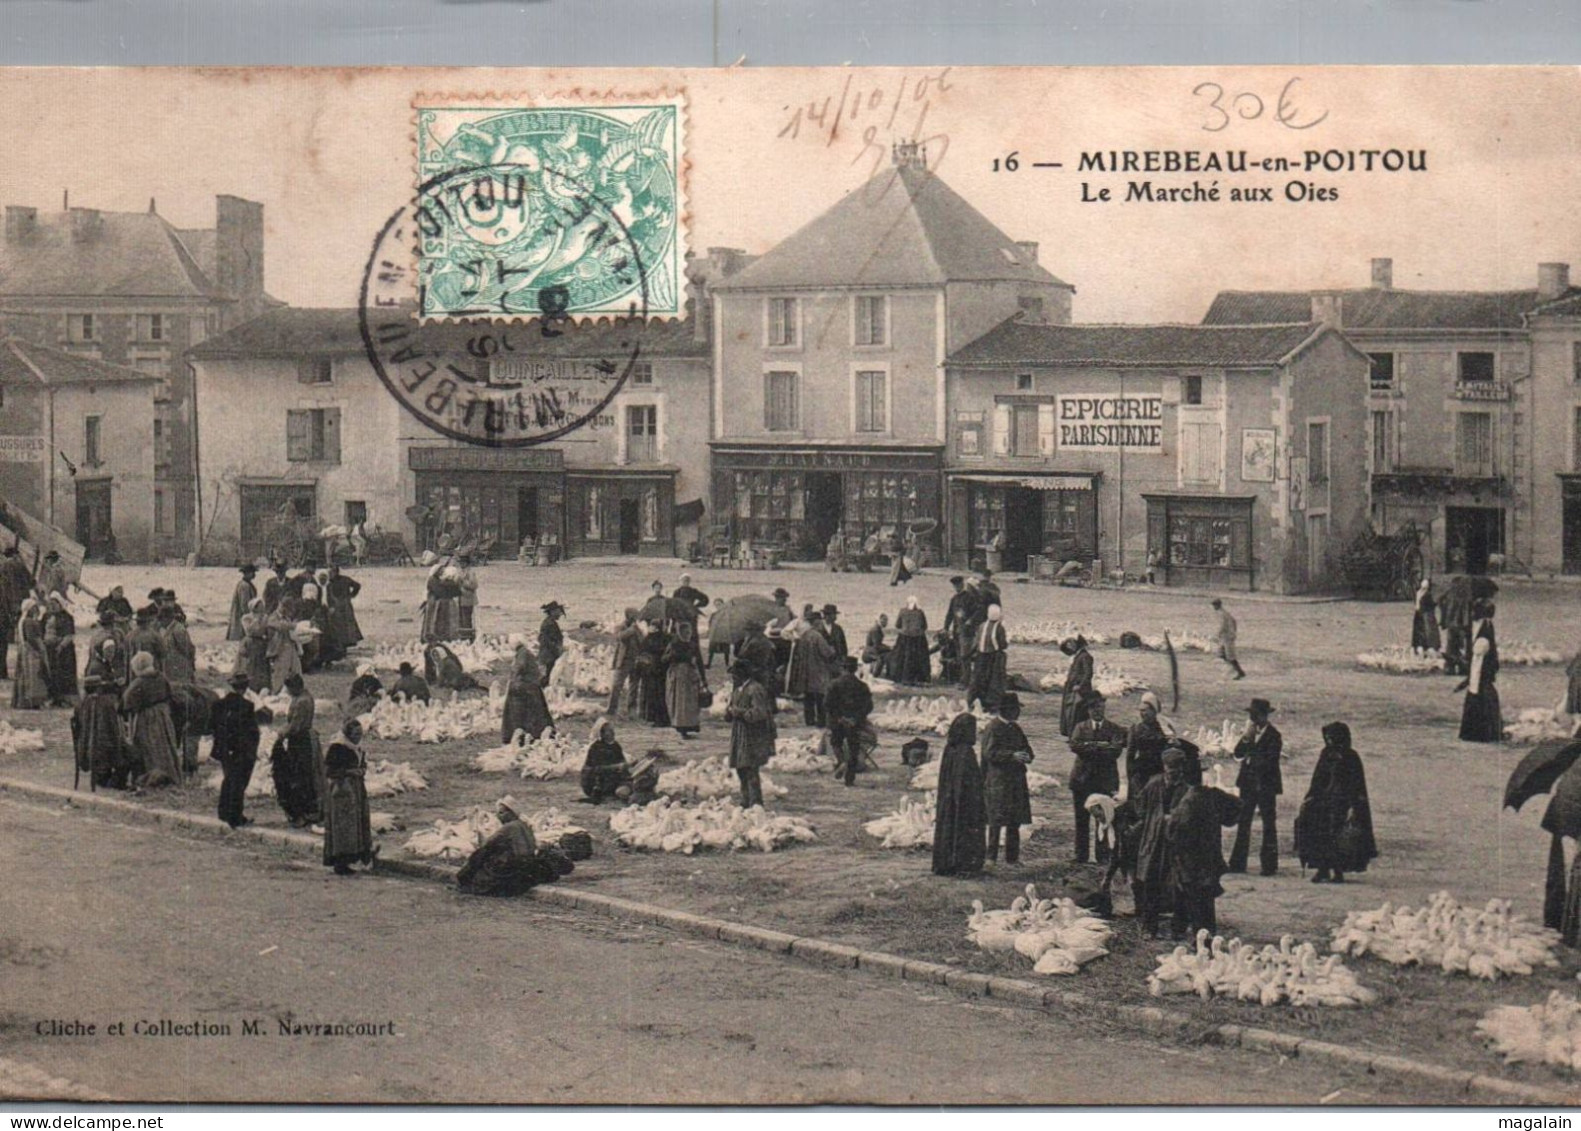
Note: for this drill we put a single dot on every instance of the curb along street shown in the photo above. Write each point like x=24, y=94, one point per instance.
x=1457, y=1083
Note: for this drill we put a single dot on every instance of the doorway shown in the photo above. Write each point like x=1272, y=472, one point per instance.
x=1571, y=518
x=93, y=516
x=630, y=525
x=1023, y=527
x=823, y=504
x=1317, y=548
x=1471, y=534
x=526, y=514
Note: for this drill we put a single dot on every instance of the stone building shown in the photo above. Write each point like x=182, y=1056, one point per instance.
x=293, y=414
x=1231, y=456
x=74, y=447
x=1554, y=425
x=131, y=289
x=1451, y=418
x=829, y=398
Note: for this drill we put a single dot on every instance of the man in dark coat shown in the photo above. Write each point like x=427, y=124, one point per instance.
x=274, y=588
x=236, y=738
x=688, y=596
x=1153, y=805
x=1260, y=783
x=835, y=633
x=241, y=602
x=752, y=731
x=847, y=704
x=1005, y=756
x=757, y=651
x=622, y=689
x=16, y=585
x=1097, y=744
x=551, y=641
x=1078, y=689
x=146, y=637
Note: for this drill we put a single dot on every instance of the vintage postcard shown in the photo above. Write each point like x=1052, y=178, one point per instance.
x=875, y=586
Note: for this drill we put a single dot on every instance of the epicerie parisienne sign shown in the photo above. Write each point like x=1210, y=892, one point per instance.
x=1097, y=423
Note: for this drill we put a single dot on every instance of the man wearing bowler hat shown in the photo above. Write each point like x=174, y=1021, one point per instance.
x=236, y=738
x=551, y=640
x=1260, y=784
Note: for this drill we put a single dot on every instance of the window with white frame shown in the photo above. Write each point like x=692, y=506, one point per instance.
x=781, y=401
x=153, y=327
x=81, y=328
x=1024, y=429
x=969, y=433
x=872, y=397
x=642, y=433
x=872, y=320
x=1382, y=374
x=783, y=324
x=642, y=373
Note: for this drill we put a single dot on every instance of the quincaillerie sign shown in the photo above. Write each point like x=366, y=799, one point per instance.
x=1091, y=422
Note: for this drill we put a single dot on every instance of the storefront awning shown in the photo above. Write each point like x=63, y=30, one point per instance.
x=1075, y=481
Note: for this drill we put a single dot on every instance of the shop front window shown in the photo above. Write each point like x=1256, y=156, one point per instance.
x=593, y=515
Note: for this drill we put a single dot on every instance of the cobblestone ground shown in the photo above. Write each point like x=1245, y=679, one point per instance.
x=1435, y=799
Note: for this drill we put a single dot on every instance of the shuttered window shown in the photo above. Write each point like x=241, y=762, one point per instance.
x=1199, y=452
x=1317, y=453
x=1474, y=444
x=872, y=316
x=782, y=322
x=781, y=402
x=312, y=435
x=871, y=396
x=1001, y=430
x=642, y=433
x=1045, y=446
x=1382, y=441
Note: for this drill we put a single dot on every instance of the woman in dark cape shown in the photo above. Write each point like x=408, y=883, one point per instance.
x=97, y=736
x=958, y=823
x=1480, y=717
x=1424, y=620
x=909, y=661
x=348, y=832
x=60, y=652
x=526, y=709
x=294, y=761
x=683, y=665
x=340, y=591
x=650, y=666
x=1336, y=798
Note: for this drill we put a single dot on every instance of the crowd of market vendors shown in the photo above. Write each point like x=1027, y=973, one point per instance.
x=1140, y=808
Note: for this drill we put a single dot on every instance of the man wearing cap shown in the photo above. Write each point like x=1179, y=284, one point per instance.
x=627, y=640
x=1226, y=638
x=236, y=738
x=1097, y=744
x=551, y=641
x=783, y=615
x=1260, y=783
x=821, y=665
x=241, y=600
x=750, y=714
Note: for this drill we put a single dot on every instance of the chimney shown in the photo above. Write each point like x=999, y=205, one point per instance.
x=701, y=275
x=85, y=223
x=239, y=257
x=1553, y=279
x=909, y=155
x=1029, y=249
x=20, y=222
x=1383, y=274
x=1328, y=308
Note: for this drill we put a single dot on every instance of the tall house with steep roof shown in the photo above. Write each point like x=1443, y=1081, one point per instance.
x=131, y=289
x=1450, y=412
x=829, y=398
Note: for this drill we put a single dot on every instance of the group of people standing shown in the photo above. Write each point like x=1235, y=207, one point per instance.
x=1460, y=628
x=299, y=623
x=659, y=673
x=1141, y=806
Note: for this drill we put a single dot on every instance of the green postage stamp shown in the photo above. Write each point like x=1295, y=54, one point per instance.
x=555, y=209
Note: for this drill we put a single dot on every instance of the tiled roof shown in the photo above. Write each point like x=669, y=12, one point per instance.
x=127, y=255
x=24, y=363
x=1567, y=307
x=1378, y=309
x=1014, y=342
x=905, y=227
x=298, y=332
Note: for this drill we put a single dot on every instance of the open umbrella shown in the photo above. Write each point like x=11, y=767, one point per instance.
x=729, y=624
x=1563, y=816
x=1539, y=770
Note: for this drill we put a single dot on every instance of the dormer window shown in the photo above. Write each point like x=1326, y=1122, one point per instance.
x=1010, y=256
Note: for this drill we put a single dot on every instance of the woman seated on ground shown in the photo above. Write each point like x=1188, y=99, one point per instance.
x=365, y=691
x=606, y=773
x=510, y=862
x=410, y=687
x=449, y=675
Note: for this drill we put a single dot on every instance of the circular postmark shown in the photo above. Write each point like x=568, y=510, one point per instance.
x=480, y=376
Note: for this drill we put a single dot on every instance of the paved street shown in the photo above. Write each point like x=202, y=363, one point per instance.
x=501, y=1002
